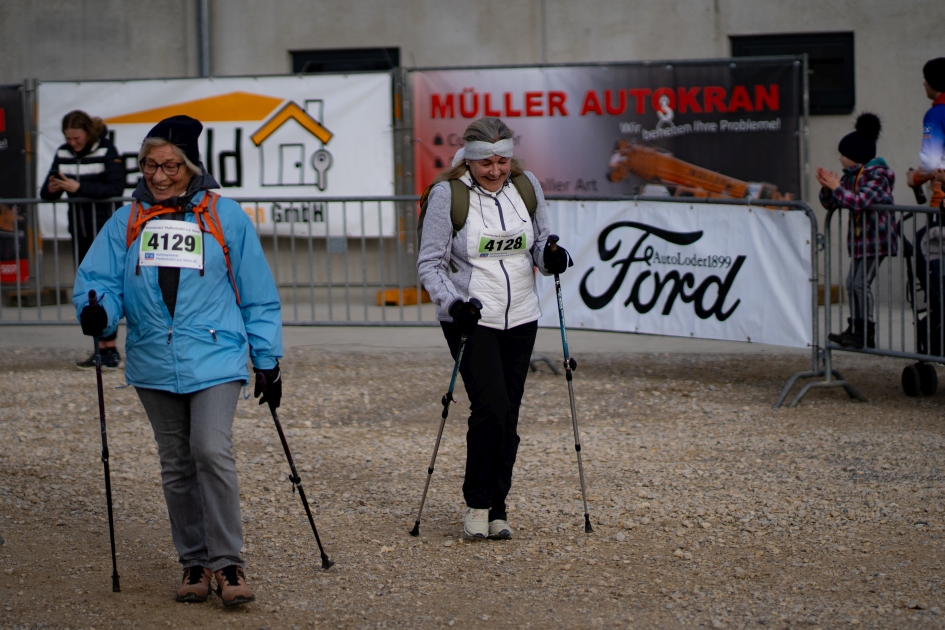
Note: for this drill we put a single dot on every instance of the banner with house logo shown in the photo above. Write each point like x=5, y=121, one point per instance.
x=288, y=137
x=737, y=273
x=723, y=128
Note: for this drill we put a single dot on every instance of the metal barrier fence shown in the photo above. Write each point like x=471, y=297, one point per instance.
x=336, y=261
x=352, y=262
x=887, y=264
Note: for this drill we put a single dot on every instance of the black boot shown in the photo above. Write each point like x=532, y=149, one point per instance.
x=856, y=337
x=870, y=334
x=838, y=337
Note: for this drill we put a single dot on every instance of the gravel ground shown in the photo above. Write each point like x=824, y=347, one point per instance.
x=710, y=509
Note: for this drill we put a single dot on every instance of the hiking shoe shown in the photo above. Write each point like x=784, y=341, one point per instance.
x=195, y=587
x=232, y=587
x=476, y=523
x=499, y=530
x=111, y=359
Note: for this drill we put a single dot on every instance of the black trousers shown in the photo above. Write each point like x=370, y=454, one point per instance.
x=494, y=367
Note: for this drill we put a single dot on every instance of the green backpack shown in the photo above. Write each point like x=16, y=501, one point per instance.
x=459, y=202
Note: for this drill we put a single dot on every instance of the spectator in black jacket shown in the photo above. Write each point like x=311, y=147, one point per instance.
x=87, y=166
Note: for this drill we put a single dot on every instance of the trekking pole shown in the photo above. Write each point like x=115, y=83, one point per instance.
x=116, y=588
x=447, y=399
x=569, y=366
x=297, y=483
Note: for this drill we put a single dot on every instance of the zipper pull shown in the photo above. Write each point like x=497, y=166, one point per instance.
x=214, y=333
x=170, y=331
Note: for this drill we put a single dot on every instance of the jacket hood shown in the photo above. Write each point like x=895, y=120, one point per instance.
x=205, y=181
x=876, y=162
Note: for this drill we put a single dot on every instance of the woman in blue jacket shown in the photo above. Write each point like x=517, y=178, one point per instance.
x=186, y=269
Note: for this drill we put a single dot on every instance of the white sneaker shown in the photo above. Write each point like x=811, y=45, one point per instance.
x=499, y=529
x=476, y=523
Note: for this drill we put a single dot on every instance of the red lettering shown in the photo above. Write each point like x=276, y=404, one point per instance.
x=621, y=102
x=591, y=104
x=640, y=94
x=659, y=94
x=509, y=112
x=740, y=100
x=714, y=98
x=533, y=104
x=469, y=113
x=487, y=107
x=770, y=98
x=687, y=100
x=556, y=101
x=443, y=107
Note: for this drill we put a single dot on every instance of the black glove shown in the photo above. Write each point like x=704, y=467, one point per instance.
x=94, y=319
x=269, y=384
x=557, y=259
x=466, y=315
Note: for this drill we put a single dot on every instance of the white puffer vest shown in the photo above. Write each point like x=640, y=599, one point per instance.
x=505, y=286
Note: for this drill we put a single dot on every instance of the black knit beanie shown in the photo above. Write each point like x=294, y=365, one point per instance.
x=934, y=73
x=860, y=145
x=181, y=131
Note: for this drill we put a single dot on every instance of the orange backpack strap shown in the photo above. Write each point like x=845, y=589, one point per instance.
x=209, y=221
x=136, y=220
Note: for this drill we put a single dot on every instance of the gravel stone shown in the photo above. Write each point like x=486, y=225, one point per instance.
x=709, y=508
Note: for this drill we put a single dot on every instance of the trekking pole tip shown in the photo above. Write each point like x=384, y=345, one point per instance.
x=416, y=529
x=587, y=525
x=116, y=587
x=326, y=563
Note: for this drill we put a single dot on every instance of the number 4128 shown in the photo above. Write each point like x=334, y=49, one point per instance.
x=500, y=245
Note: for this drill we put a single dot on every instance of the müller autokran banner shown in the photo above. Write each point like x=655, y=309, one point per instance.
x=711, y=271
x=726, y=128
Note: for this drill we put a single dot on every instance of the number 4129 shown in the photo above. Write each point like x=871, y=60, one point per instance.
x=178, y=242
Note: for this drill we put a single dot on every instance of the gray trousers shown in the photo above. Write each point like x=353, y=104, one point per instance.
x=198, y=472
x=860, y=278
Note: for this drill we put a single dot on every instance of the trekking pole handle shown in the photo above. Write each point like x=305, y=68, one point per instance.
x=93, y=300
x=553, y=242
x=476, y=304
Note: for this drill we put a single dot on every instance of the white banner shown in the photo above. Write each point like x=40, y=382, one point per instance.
x=710, y=271
x=287, y=137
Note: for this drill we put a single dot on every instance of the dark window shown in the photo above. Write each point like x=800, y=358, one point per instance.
x=344, y=60
x=829, y=59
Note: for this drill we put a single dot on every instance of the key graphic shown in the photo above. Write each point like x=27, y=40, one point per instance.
x=321, y=162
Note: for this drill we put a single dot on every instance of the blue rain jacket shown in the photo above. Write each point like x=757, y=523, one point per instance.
x=210, y=338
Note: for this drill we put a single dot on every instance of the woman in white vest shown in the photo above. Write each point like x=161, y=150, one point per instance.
x=491, y=258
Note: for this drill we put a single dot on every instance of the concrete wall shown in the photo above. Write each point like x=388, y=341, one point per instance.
x=99, y=39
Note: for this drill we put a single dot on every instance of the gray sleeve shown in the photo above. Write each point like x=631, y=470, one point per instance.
x=540, y=223
x=433, y=263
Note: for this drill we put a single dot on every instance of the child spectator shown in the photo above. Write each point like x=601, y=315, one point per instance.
x=871, y=236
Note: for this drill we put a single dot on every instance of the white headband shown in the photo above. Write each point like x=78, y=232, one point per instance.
x=477, y=150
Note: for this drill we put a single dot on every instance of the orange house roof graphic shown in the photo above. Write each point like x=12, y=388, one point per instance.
x=291, y=111
x=232, y=107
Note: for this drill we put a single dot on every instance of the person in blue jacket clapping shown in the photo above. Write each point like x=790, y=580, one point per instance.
x=186, y=269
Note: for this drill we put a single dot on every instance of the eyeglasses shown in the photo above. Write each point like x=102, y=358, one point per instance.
x=150, y=167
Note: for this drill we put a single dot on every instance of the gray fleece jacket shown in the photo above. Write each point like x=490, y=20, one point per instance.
x=504, y=282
